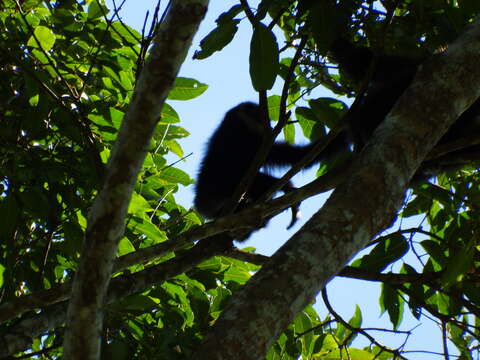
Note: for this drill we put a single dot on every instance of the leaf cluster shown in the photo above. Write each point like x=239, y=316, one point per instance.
x=68, y=71
x=433, y=268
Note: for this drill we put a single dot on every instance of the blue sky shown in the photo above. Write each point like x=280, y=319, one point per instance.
x=227, y=76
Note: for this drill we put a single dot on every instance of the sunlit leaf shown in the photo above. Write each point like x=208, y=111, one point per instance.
x=43, y=37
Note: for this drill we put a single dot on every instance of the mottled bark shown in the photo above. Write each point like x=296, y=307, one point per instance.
x=107, y=218
x=21, y=335
x=357, y=210
x=248, y=219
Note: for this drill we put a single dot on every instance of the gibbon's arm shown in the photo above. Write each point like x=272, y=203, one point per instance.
x=283, y=154
x=379, y=80
x=355, y=61
x=389, y=78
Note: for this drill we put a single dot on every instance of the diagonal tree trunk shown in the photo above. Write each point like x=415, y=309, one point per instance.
x=357, y=210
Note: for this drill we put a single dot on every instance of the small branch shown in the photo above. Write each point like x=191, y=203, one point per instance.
x=288, y=79
x=252, y=258
x=21, y=335
x=337, y=173
x=250, y=15
x=319, y=326
x=391, y=278
x=444, y=340
x=395, y=352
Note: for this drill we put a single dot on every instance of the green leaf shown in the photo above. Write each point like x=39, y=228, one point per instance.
x=217, y=39
x=137, y=302
x=45, y=36
x=152, y=232
x=138, y=205
x=170, y=132
x=128, y=34
x=311, y=127
x=384, y=253
x=326, y=344
x=418, y=205
x=274, y=107
x=356, y=322
x=448, y=305
x=126, y=80
x=95, y=10
x=175, y=176
x=302, y=325
x=174, y=147
x=2, y=270
x=436, y=251
x=220, y=298
x=125, y=247
x=328, y=111
x=237, y=275
x=392, y=302
x=353, y=354
x=264, y=58
x=325, y=19
x=230, y=14
x=289, y=133
x=186, y=89
x=263, y=8
x=415, y=291
x=168, y=115
x=459, y=264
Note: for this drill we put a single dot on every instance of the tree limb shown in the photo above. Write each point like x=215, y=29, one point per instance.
x=20, y=336
x=357, y=210
x=107, y=218
x=247, y=219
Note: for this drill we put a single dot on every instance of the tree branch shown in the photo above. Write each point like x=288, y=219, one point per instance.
x=357, y=210
x=395, y=352
x=107, y=218
x=247, y=219
x=21, y=335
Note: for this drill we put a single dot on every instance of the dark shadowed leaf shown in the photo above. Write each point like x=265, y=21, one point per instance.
x=263, y=58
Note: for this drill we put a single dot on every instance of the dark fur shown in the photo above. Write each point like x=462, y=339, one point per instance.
x=390, y=78
x=230, y=151
x=237, y=140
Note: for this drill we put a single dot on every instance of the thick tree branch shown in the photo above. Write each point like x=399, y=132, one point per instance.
x=357, y=210
x=247, y=219
x=21, y=335
x=395, y=352
x=107, y=218
x=44, y=298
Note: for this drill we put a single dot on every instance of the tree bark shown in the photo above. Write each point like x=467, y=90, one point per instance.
x=107, y=218
x=357, y=210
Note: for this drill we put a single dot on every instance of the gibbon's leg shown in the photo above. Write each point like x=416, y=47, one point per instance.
x=264, y=182
x=230, y=151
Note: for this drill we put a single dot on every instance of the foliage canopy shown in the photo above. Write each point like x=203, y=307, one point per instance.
x=68, y=73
